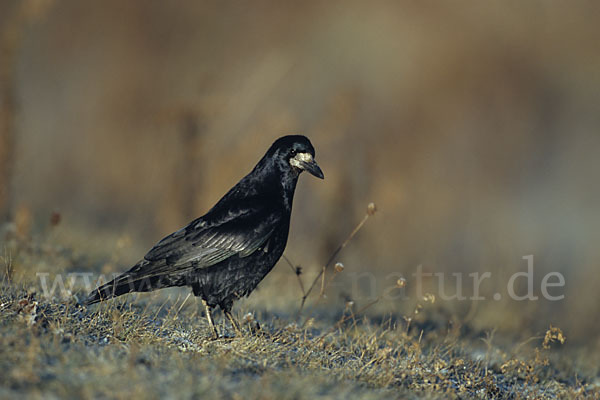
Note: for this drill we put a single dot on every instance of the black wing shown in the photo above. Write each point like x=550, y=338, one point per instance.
x=230, y=229
x=210, y=239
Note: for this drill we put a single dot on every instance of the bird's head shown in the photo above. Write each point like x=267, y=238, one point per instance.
x=295, y=152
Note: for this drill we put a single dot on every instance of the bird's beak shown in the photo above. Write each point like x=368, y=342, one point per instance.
x=312, y=167
x=306, y=162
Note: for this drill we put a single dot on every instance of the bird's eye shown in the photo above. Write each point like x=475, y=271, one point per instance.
x=293, y=152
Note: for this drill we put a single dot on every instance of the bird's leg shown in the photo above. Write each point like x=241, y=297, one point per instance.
x=236, y=326
x=210, y=320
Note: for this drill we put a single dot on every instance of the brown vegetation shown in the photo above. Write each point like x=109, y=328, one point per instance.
x=474, y=127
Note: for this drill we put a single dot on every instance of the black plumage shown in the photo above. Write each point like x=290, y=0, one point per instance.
x=224, y=254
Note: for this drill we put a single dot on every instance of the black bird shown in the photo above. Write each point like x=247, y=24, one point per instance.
x=224, y=254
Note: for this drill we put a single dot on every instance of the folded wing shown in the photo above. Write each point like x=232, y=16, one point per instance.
x=212, y=239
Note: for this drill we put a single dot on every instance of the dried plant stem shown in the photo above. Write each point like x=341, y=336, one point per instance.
x=183, y=303
x=351, y=316
x=295, y=273
x=321, y=274
x=8, y=267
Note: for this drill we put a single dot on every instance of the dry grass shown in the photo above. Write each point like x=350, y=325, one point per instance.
x=475, y=127
x=157, y=346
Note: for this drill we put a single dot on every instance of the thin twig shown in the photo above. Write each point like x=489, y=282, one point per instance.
x=295, y=270
x=181, y=306
x=333, y=257
x=351, y=316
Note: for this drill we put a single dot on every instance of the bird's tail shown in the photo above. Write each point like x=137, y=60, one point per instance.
x=135, y=280
x=122, y=284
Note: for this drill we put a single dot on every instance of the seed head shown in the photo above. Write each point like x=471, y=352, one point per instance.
x=339, y=267
x=429, y=298
x=401, y=283
x=371, y=209
x=553, y=334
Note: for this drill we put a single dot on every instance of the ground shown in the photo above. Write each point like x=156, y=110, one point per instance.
x=158, y=345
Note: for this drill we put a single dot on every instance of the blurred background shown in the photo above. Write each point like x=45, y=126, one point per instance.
x=473, y=126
